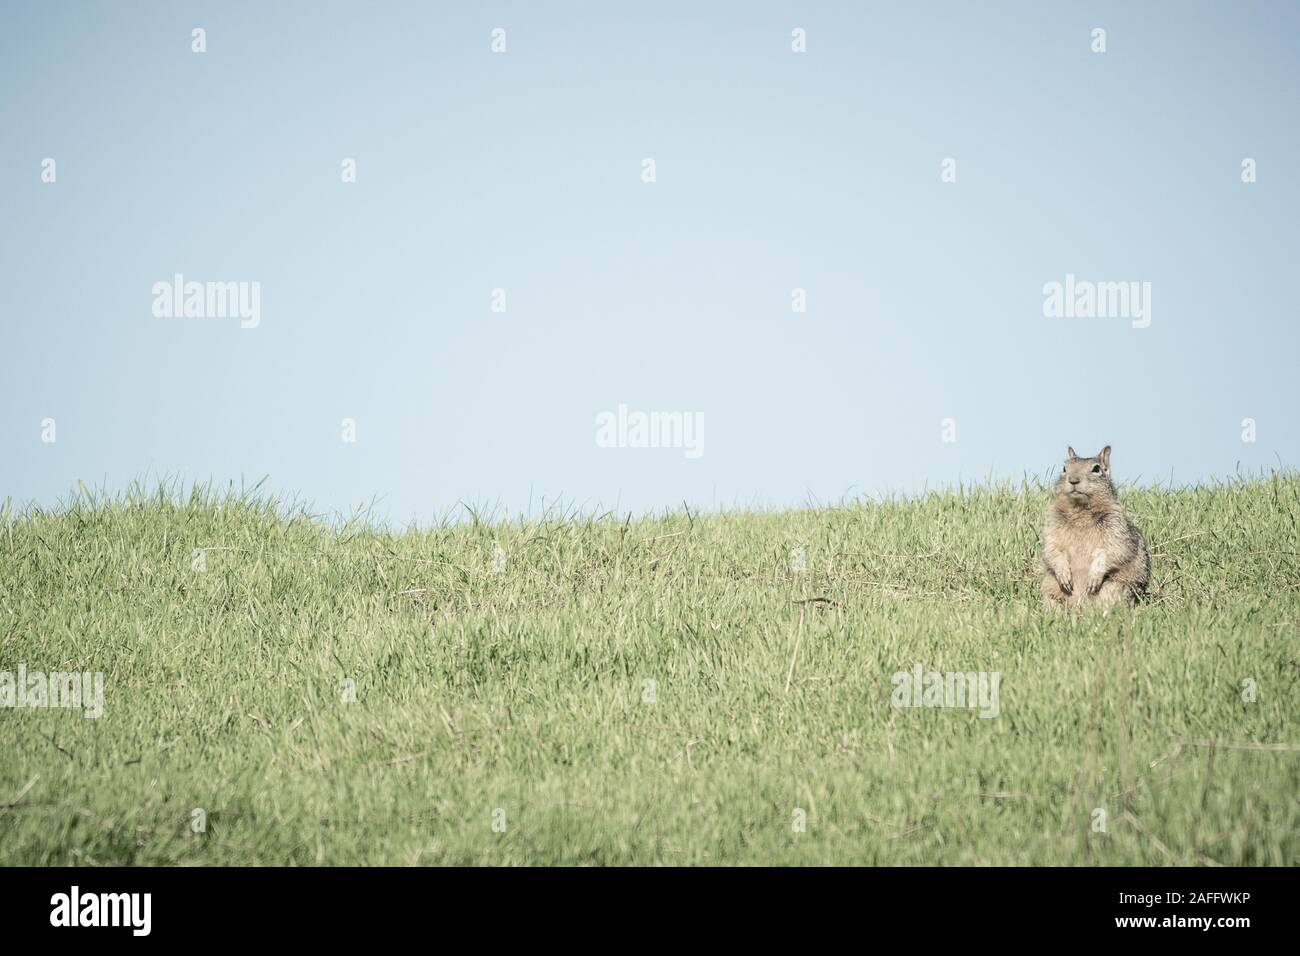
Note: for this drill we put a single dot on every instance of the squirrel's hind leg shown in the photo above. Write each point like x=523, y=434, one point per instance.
x=1113, y=592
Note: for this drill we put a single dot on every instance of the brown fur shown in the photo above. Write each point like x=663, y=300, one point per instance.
x=1093, y=555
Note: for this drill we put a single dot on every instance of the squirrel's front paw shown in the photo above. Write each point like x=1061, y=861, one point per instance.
x=1097, y=571
x=1063, y=579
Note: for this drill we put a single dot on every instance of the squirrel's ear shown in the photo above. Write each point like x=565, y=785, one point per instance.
x=1071, y=452
x=1105, y=458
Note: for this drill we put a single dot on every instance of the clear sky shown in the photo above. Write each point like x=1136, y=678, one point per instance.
x=523, y=171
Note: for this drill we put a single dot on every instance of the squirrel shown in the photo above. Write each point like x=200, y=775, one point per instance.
x=1093, y=555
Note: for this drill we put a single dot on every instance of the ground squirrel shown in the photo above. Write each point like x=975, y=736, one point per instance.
x=1093, y=555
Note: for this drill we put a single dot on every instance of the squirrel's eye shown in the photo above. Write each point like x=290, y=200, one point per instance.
x=1096, y=468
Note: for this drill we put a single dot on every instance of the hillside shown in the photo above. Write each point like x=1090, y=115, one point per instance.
x=605, y=690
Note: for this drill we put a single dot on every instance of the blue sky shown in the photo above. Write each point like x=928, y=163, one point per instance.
x=522, y=171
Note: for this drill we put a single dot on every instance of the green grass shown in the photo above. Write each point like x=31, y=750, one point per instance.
x=524, y=691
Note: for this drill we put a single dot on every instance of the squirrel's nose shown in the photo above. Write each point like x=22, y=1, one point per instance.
x=1074, y=481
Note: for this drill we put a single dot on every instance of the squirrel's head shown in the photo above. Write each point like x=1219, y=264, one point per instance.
x=1084, y=481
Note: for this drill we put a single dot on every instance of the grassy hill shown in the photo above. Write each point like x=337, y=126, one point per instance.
x=604, y=691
